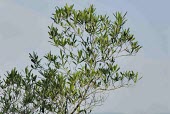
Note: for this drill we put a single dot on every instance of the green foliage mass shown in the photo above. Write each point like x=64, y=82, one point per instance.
x=77, y=77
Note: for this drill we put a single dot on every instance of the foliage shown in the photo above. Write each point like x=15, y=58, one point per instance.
x=76, y=79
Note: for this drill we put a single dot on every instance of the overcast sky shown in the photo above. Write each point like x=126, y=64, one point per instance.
x=23, y=29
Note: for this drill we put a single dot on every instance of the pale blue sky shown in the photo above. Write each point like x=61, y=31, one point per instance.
x=23, y=29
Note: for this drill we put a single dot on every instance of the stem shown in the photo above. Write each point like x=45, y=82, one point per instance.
x=74, y=110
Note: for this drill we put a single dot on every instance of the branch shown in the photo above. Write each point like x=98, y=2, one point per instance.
x=84, y=96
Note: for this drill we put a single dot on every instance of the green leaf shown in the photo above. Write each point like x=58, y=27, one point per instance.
x=80, y=53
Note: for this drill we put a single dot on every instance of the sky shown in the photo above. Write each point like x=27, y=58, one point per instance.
x=23, y=29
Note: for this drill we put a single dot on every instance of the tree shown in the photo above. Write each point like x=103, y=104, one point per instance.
x=77, y=77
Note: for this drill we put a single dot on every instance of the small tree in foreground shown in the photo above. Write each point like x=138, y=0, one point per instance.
x=77, y=78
